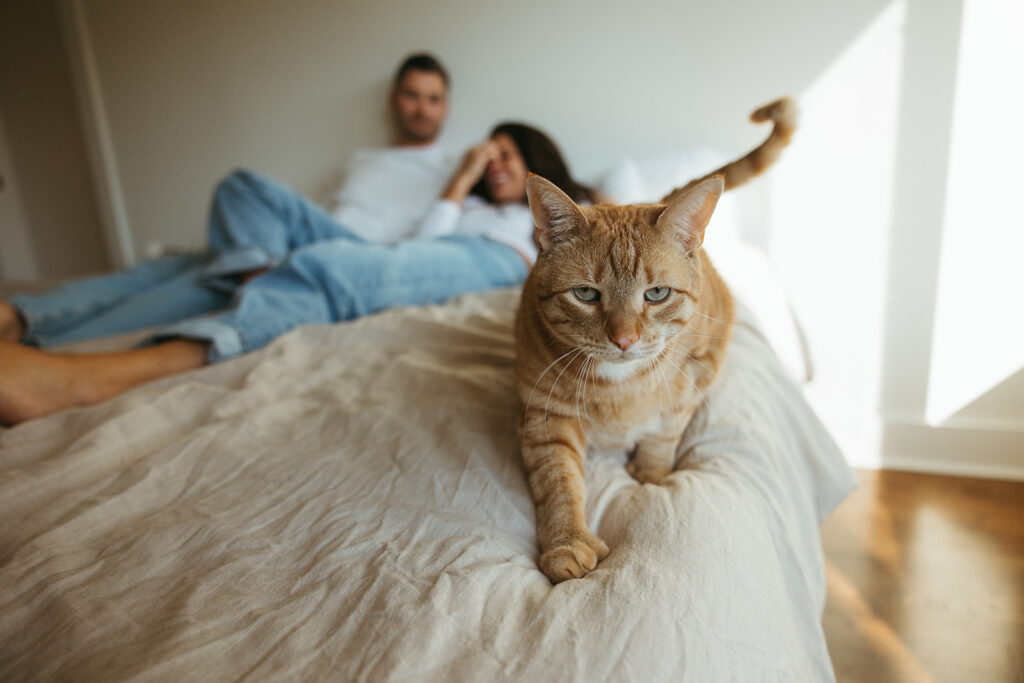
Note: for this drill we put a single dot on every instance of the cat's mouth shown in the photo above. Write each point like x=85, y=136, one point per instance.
x=648, y=349
x=630, y=355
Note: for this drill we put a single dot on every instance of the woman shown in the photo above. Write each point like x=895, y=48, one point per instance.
x=478, y=236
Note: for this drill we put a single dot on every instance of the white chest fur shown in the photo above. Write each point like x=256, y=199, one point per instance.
x=618, y=371
x=624, y=431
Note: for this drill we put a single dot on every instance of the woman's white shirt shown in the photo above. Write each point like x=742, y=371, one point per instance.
x=509, y=224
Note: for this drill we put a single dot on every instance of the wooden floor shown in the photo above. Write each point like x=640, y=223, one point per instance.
x=926, y=580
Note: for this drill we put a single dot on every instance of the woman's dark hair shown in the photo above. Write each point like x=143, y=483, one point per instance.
x=543, y=158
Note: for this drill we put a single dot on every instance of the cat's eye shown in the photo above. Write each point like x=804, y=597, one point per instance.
x=656, y=294
x=586, y=294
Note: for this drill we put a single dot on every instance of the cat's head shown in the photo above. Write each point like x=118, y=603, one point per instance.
x=619, y=282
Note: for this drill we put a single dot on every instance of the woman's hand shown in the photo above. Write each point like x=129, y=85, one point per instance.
x=474, y=165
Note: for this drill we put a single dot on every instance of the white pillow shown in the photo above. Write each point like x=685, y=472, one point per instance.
x=648, y=178
x=623, y=184
x=755, y=285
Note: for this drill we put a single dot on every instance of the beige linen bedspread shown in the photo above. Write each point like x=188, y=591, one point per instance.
x=349, y=504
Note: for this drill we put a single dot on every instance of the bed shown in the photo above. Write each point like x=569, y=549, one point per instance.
x=349, y=504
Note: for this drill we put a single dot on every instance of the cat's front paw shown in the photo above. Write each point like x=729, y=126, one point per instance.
x=573, y=559
x=647, y=474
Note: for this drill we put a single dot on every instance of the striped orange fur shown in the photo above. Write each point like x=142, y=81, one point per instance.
x=783, y=115
x=622, y=325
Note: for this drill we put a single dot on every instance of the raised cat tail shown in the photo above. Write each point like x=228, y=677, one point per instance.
x=783, y=114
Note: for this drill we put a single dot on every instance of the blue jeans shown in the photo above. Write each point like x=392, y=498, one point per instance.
x=152, y=293
x=319, y=272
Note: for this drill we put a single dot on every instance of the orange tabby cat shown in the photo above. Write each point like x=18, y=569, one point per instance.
x=622, y=324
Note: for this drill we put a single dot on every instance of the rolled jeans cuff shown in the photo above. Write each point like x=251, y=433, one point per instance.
x=224, y=340
x=218, y=272
x=29, y=321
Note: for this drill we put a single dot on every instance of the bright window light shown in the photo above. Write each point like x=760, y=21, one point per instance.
x=979, y=327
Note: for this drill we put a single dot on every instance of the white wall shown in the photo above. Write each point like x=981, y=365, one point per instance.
x=854, y=212
x=936, y=251
x=195, y=88
x=983, y=230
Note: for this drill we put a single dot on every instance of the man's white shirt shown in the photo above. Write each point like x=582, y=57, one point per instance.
x=388, y=192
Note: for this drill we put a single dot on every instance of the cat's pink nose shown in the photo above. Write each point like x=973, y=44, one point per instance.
x=623, y=341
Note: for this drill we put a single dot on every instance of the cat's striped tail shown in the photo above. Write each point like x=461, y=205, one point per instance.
x=783, y=115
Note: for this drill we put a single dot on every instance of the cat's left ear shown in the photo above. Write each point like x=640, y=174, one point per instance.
x=554, y=214
x=688, y=214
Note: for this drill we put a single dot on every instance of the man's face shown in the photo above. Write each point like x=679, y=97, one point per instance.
x=420, y=104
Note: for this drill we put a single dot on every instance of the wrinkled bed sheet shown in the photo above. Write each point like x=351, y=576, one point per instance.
x=349, y=504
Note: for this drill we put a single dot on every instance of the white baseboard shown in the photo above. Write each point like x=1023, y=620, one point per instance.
x=989, y=450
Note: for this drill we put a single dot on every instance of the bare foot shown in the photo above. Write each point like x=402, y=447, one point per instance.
x=11, y=327
x=33, y=383
x=36, y=383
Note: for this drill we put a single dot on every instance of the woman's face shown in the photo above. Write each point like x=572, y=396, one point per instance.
x=507, y=172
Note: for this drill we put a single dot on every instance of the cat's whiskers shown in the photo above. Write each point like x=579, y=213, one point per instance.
x=557, y=345
x=576, y=387
x=590, y=369
x=661, y=394
x=695, y=360
x=529, y=400
x=704, y=315
x=694, y=334
x=666, y=387
x=547, y=405
x=577, y=340
x=694, y=384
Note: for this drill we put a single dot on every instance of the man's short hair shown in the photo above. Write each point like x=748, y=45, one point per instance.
x=421, y=62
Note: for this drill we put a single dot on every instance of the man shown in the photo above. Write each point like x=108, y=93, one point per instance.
x=387, y=192
x=311, y=268
x=419, y=100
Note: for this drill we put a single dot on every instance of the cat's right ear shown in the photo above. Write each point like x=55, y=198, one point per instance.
x=554, y=214
x=688, y=214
